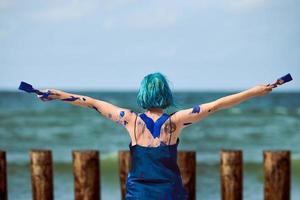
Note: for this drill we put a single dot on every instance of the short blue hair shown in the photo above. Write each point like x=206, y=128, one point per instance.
x=155, y=92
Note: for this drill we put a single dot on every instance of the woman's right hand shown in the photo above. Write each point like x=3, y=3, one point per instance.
x=261, y=90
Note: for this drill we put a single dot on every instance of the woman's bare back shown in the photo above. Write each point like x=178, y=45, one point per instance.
x=166, y=130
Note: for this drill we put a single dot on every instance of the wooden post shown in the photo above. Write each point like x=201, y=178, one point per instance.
x=86, y=171
x=186, y=161
x=231, y=169
x=124, y=167
x=3, y=176
x=41, y=174
x=277, y=175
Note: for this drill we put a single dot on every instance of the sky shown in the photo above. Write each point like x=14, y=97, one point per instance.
x=113, y=44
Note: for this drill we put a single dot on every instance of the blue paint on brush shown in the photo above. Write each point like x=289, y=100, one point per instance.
x=285, y=79
x=28, y=88
x=196, y=109
x=72, y=98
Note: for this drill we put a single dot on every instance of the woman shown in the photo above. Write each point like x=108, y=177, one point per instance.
x=155, y=134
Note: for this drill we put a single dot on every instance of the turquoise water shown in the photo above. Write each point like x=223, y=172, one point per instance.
x=270, y=122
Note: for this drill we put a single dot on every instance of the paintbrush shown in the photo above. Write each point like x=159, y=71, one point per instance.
x=28, y=88
x=282, y=80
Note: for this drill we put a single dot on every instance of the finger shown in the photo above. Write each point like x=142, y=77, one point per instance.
x=272, y=86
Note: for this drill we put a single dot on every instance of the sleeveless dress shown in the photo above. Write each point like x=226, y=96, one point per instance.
x=154, y=173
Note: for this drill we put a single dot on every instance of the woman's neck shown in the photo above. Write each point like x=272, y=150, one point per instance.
x=156, y=111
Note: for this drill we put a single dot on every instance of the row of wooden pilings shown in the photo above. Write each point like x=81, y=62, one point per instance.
x=86, y=171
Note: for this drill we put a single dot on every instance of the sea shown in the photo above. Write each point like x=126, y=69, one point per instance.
x=270, y=122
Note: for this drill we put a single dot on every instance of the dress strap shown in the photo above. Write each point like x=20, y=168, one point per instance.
x=170, y=130
x=135, y=128
x=170, y=124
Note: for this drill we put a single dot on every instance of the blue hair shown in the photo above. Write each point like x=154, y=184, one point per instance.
x=155, y=92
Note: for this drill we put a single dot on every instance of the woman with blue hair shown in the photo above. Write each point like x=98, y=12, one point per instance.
x=154, y=134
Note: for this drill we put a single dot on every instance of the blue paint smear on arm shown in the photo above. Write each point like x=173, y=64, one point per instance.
x=72, y=98
x=122, y=113
x=96, y=109
x=196, y=109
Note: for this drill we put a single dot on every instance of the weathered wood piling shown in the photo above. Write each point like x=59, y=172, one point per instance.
x=277, y=175
x=86, y=170
x=231, y=170
x=3, y=176
x=124, y=167
x=186, y=161
x=41, y=174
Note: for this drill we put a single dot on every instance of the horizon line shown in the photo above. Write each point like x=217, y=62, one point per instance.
x=136, y=90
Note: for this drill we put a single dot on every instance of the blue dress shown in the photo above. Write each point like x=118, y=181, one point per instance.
x=154, y=173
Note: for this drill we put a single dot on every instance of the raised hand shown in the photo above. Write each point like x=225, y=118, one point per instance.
x=261, y=90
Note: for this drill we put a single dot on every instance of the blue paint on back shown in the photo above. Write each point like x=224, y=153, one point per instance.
x=154, y=128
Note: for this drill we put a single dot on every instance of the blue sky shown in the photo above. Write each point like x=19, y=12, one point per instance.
x=113, y=44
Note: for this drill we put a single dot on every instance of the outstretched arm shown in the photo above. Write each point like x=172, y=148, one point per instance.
x=119, y=115
x=188, y=116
